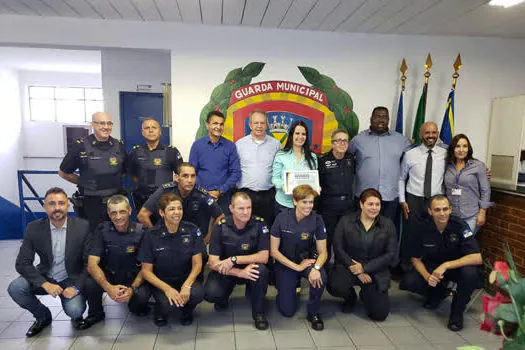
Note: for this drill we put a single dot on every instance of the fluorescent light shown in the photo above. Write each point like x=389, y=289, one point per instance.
x=505, y=3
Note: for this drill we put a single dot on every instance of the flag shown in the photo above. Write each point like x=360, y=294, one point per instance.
x=420, y=115
x=447, y=128
x=399, y=120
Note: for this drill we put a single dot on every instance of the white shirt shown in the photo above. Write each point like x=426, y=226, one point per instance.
x=413, y=167
x=58, y=243
x=256, y=159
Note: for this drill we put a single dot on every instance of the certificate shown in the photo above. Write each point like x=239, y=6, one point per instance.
x=294, y=178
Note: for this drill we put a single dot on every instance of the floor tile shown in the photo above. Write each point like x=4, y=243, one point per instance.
x=16, y=330
x=369, y=336
x=51, y=343
x=18, y=344
x=395, y=320
x=60, y=329
x=254, y=340
x=293, y=338
x=417, y=347
x=116, y=311
x=11, y=314
x=105, y=328
x=278, y=322
x=135, y=342
x=477, y=336
x=142, y=325
x=4, y=325
x=178, y=340
x=441, y=335
x=93, y=342
x=215, y=323
x=404, y=335
x=215, y=341
x=330, y=337
x=376, y=347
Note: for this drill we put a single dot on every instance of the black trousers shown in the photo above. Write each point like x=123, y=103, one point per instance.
x=137, y=304
x=218, y=289
x=332, y=209
x=163, y=307
x=392, y=210
x=418, y=212
x=376, y=302
x=468, y=278
x=94, y=210
x=224, y=202
x=263, y=204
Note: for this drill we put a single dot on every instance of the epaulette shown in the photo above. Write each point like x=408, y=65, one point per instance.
x=169, y=184
x=136, y=146
x=258, y=218
x=80, y=141
x=222, y=221
x=201, y=189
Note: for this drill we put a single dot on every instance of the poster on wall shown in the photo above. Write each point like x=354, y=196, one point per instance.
x=322, y=105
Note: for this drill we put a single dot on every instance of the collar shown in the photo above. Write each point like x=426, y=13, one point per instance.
x=52, y=227
x=230, y=223
x=93, y=140
x=160, y=146
x=261, y=141
x=370, y=132
x=357, y=218
x=131, y=227
x=208, y=140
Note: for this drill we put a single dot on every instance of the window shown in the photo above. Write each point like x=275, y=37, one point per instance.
x=64, y=104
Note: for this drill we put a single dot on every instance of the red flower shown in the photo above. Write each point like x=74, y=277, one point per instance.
x=489, y=304
x=347, y=110
x=503, y=268
x=217, y=107
x=232, y=82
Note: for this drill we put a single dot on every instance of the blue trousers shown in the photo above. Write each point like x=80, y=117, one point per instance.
x=286, y=283
x=24, y=294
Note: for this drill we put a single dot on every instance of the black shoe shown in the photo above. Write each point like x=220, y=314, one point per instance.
x=38, y=326
x=347, y=307
x=90, y=321
x=160, y=321
x=316, y=322
x=261, y=322
x=222, y=306
x=186, y=318
x=455, y=323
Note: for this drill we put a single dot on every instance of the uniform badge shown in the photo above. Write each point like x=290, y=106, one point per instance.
x=130, y=249
x=198, y=232
x=265, y=229
x=113, y=161
x=185, y=240
x=157, y=161
x=305, y=236
x=245, y=246
x=210, y=201
x=467, y=233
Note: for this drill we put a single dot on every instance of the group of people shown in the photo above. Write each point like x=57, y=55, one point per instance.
x=227, y=208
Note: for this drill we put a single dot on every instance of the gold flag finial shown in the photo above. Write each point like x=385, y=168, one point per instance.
x=457, y=66
x=428, y=65
x=403, y=69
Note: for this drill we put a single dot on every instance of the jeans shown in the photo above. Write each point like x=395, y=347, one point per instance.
x=24, y=294
x=471, y=222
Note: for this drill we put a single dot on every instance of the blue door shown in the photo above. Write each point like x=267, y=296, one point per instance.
x=134, y=107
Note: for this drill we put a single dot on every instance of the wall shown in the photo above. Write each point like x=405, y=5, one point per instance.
x=124, y=69
x=10, y=152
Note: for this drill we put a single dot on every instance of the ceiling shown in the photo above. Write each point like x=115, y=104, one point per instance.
x=428, y=17
x=50, y=60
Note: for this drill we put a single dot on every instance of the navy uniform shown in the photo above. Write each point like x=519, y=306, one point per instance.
x=297, y=242
x=434, y=248
x=101, y=165
x=227, y=241
x=118, y=253
x=171, y=255
x=336, y=177
x=152, y=168
x=198, y=206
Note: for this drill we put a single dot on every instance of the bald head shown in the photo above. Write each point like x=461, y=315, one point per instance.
x=429, y=134
x=102, y=125
x=151, y=130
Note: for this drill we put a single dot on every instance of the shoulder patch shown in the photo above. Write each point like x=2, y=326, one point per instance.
x=198, y=232
x=222, y=221
x=169, y=184
x=265, y=229
x=467, y=233
x=80, y=141
x=201, y=189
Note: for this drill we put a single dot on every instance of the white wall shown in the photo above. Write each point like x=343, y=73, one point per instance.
x=124, y=69
x=10, y=153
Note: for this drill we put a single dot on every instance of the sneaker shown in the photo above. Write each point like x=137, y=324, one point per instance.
x=316, y=321
x=260, y=321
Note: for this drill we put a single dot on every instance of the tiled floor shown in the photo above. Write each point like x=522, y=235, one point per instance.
x=408, y=326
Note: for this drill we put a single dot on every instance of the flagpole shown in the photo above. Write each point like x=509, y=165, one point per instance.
x=399, y=121
x=428, y=65
x=457, y=66
x=422, y=105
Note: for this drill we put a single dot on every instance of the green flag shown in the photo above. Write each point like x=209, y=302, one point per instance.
x=420, y=115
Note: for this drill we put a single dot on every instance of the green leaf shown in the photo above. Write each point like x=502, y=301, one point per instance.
x=510, y=260
x=513, y=345
x=233, y=75
x=311, y=75
x=220, y=91
x=518, y=291
x=506, y=313
x=253, y=69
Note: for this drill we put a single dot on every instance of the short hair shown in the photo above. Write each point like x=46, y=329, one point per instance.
x=438, y=197
x=257, y=110
x=185, y=165
x=302, y=191
x=380, y=108
x=214, y=113
x=240, y=194
x=451, y=157
x=55, y=190
x=166, y=199
x=117, y=199
x=339, y=131
x=369, y=192
x=148, y=119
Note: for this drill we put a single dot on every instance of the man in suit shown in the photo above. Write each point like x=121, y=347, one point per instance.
x=61, y=243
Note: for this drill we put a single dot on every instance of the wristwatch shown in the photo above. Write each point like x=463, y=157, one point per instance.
x=317, y=267
x=234, y=260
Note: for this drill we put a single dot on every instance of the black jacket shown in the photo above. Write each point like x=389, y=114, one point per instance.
x=381, y=254
x=37, y=239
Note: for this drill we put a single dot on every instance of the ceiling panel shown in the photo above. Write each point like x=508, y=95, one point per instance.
x=345, y=9
x=391, y=8
x=169, y=10
x=127, y=9
x=190, y=11
x=105, y=9
x=254, y=11
x=319, y=12
x=40, y=7
x=297, y=13
x=83, y=8
x=148, y=10
x=232, y=11
x=404, y=15
x=275, y=13
x=211, y=11
x=4, y=10
x=19, y=7
x=61, y=8
x=363, y=13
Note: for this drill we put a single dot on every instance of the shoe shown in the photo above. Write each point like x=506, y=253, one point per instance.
x=260, y=321
x=141, y=312
x=316, y=322
x=455, y=323
x=222, y=306
x=90, y=321
x=186, y=318
x=432, y=304
x=37, y=327
x=160, y=321
x=347, y=307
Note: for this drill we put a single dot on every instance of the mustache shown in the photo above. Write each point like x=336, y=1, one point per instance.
x=58, y=212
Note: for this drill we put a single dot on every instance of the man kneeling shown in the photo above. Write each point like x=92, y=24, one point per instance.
x=444, y=250
x=239, y=250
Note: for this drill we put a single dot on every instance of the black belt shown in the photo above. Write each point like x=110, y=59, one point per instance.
x=245, y=189
x=341, y=198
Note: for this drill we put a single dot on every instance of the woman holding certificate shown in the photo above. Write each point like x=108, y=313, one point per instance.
x=295, y=156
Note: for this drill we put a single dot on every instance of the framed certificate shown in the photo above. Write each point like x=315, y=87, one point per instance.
x=294, y=178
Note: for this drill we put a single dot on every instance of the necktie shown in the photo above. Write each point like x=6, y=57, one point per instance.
x=427, y=185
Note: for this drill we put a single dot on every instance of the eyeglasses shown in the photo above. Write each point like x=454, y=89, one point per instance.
x=340, y=141
x=103, y=123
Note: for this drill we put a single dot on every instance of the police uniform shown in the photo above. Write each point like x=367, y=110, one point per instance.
x=171, y=255
x=227, y=241
x=152, y=168
x=118, y=252
x=198, y=206
x=297, y=242
x=336, y=177
x=101, y=165
x=434, y=248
